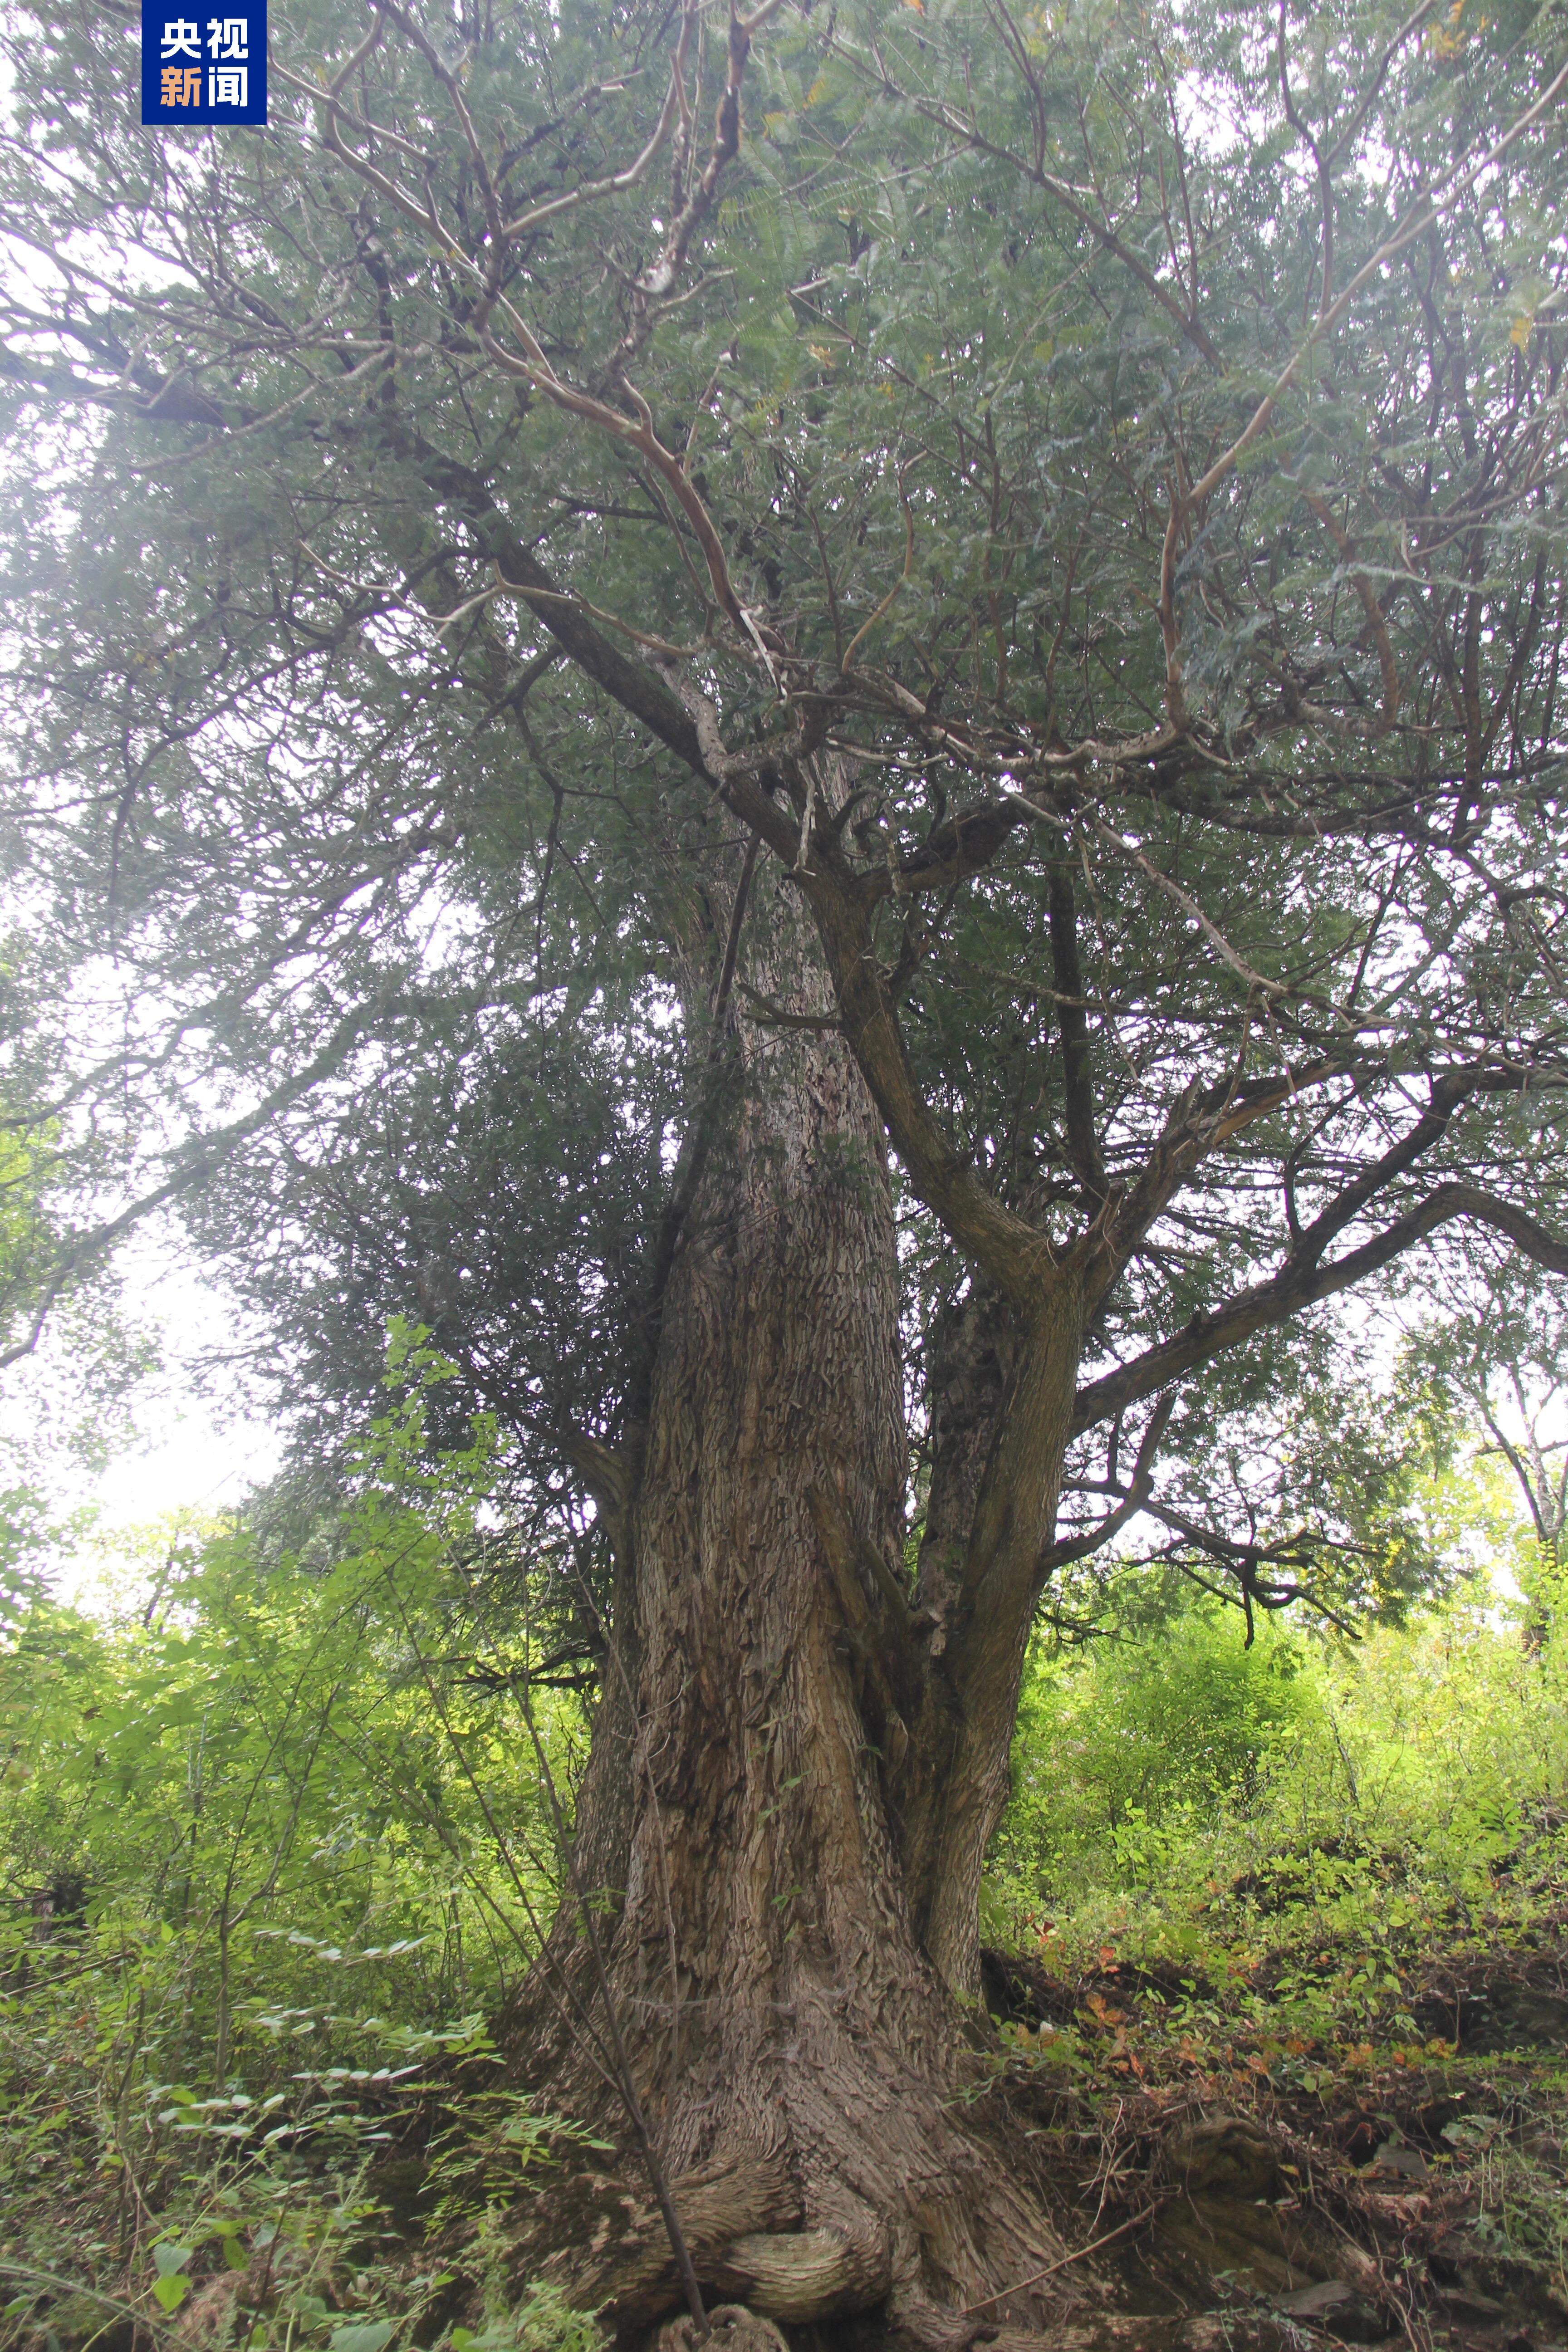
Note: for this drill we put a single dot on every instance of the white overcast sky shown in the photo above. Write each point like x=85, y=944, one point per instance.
x=197, y=1444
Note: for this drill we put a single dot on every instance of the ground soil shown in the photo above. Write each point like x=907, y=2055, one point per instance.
x=1272, y=2192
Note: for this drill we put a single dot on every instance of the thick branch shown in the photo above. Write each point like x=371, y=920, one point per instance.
x=1300, y=1283
x=639, y=689
x=1017, y=1259
x=1093, y=1540
x=1199, y=1122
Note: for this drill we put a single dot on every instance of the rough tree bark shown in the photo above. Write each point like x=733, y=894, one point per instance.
x=787, y=1806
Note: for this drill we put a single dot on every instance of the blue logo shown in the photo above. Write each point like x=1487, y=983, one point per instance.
x=203, y=70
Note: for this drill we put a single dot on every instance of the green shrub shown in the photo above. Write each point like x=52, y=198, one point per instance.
x=1175, y=1791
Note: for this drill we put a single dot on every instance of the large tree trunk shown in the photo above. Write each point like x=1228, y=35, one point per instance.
x=1000, y=1390
x=748, y=1806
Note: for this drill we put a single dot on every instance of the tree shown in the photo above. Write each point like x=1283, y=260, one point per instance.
x=1499, y=1352
x=825, y=728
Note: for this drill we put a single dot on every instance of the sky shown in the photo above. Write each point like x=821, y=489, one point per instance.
x=202, y=1446
x=197, y=1443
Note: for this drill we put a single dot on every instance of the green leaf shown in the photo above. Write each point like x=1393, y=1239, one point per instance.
x=171, y=2290
x=169, y=2258
x=365, y=2336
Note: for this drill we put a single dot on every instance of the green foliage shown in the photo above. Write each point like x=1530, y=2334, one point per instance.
x=458, y=948
x=257, y=1841
x=543, y=2322
x=1498, y=1352
x=1176, y=1794
x=73, y=1400
x=1142, y=1728
x=1338, y=1912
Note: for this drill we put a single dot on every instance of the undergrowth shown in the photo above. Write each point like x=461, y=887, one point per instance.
x=276, y=1849
x=1324, y=1888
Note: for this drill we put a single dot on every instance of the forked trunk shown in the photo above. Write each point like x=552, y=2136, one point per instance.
x=801, y=2061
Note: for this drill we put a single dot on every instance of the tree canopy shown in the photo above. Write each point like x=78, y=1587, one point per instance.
x=1127, y=453
x=837, y=732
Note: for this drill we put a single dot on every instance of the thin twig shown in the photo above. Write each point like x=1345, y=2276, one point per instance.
x=1061, y=2263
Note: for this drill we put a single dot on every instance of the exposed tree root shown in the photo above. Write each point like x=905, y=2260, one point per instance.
x=602, y=2242
x=807, y=2275
x=734, y=2328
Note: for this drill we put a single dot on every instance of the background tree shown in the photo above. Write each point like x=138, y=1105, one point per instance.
x=1500, y=1354
x=818, y=726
